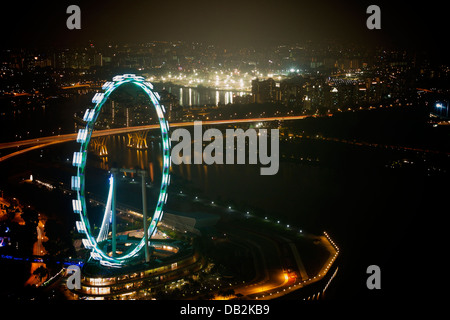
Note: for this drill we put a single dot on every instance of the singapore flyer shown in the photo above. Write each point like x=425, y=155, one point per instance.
x=98, y=243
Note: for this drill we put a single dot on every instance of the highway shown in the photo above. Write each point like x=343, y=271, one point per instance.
x=42, y=142
x=99, y=133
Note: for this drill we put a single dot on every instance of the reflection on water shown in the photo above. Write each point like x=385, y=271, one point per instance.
x=200, y=96
x=120, y=155
x=303, y=193
x=241, y=183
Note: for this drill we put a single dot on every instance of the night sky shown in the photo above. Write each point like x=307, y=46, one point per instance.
x=232, y=22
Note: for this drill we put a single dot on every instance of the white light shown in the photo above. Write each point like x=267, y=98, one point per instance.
x=80, y=227
x=75, y=183
x=149, y=84
x=77, y=159
x=76, y=205
x=165, y=178
x=82, y=133
x=89, y=115
x=159, y=112
x=94, y=255
x=107, y=85
x=97, y=97
x=118, y=78
x=110, y=264
x=86, y=115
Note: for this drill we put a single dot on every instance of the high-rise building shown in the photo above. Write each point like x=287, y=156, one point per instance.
x=266, y=91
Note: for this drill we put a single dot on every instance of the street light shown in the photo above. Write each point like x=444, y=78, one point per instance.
x=440, y=106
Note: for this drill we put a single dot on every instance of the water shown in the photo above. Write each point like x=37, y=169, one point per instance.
x=191, y=97
x=374, y=212
x=52, y=116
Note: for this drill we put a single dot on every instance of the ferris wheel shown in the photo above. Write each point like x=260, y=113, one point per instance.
x=78, y=183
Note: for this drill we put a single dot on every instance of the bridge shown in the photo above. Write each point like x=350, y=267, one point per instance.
x=38, y=143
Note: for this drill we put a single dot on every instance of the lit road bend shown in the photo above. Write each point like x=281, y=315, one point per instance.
x=98, y=133
x=268, y=253
x=39, y=146
x=259, y=261
x=38, y=143
x=298, y=260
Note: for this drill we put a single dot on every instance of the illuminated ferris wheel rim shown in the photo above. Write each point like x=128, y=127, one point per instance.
x=79, y=161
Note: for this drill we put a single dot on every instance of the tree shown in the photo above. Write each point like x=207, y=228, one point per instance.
x=227, y=292
x=239, y=296
x=207, y=296
x=41, y=272
x=10, y=213
x=31, y=217
x=59, y=241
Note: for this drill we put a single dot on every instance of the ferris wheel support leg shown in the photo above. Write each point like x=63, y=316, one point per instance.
x=113, y=215
x=144, y=213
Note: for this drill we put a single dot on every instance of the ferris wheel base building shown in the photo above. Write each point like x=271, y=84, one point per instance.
x=171, y=261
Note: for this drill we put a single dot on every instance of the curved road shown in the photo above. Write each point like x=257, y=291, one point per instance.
x=47, y=141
